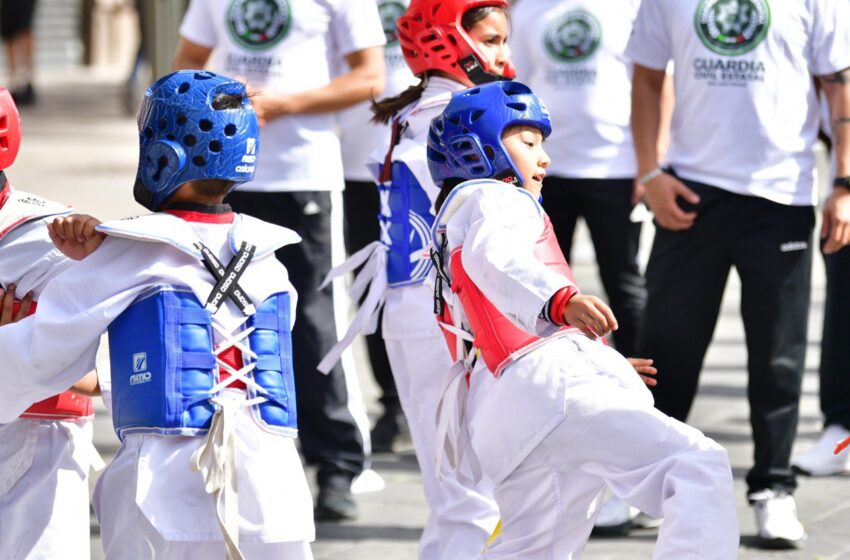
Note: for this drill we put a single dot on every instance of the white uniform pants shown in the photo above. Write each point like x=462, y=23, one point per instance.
x=611, y=434
x=142, y=541
x=44, y=492
x=462, y=517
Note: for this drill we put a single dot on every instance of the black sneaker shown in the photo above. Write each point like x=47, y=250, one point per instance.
x=389, y=428
x=24, y=96
x=335, y=504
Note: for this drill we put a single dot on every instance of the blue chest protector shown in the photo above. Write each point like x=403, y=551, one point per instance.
x=164, y=367
x=405, y=221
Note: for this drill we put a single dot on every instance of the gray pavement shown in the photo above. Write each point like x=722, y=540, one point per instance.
x=80, y=147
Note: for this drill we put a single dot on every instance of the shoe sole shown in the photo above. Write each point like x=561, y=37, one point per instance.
x=621, y=530
x=798, y=470
x=780, y=544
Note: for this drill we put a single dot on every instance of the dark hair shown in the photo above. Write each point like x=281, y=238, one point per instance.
x=384, y=110
x=212, y=187
x=445, y=190
x=225, y=101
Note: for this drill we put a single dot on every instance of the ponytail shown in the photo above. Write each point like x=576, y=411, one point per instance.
x=384, y=110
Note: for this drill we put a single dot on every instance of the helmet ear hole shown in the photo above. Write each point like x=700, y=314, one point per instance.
x=205, y=125
x=184, y=87
x=489, y=152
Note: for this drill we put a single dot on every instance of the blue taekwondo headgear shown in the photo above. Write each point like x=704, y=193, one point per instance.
x=465, y=141
x=182, y=137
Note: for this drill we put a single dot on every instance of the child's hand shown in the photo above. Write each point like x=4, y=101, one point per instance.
x=643, y=366
x=75, y=235
x=7, y=306
x=590, y=315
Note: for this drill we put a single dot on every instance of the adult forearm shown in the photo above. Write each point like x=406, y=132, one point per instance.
x=647, y=89
x=836, y=87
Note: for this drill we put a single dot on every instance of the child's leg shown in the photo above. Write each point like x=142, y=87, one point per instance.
x=650, y=460
x=612, y=433
x=462, y=516
x=44, y=490
x=546, y=514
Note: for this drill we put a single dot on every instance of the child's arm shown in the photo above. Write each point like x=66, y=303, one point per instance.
x=75, y=235
x=44, y=354
x=88, y=386
x=499, y=227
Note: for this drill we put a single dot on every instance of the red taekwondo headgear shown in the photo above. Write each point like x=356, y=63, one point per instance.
x=432, y=38
x=10, y=129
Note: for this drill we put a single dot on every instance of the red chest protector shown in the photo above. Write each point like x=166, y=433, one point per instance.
x=67, y=406
x=497, y=337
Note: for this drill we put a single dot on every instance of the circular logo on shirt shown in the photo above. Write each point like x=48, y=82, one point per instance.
x=390, y=11
x=573, y=37
x=732, y=27
x=258, y=24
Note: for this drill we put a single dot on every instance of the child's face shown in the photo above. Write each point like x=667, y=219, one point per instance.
x=525, y=146
x=490, y=35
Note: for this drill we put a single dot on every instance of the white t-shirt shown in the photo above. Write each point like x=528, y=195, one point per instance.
x=358, y=135
x=746, y=114
x=571, y=54
x=285, y=46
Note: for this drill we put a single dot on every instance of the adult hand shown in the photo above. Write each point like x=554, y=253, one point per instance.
x=836, y=221
x=269, y=106
x=75, y=235
x=661, y=194
x=7, y=306
x=590, y=315
x=643, y=367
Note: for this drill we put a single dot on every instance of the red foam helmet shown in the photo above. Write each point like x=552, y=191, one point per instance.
x=432, y=38
x=10, y=129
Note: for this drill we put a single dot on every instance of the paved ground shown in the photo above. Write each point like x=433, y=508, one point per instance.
x=80, y=147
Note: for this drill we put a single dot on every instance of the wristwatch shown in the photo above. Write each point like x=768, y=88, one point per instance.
x=841, y=182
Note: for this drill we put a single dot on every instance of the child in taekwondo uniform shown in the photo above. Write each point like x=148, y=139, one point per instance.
x=556, y=415
x=45, y=451
x=199, y=314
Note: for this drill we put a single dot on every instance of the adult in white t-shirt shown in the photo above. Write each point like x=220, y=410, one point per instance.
x=571, y=54
x=738, y=190
x=360, y=137
x=283, y=48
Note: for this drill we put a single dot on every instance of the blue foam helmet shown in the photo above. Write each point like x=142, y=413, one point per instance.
x=465, y=141
x=182, y=137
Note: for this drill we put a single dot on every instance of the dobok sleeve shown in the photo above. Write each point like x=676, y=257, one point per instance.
x=49, y=351
x=498, y=227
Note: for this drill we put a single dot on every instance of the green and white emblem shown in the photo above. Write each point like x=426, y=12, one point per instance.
x=732, y=27
x=390, y=11
x=258, y=24
x=573, y=37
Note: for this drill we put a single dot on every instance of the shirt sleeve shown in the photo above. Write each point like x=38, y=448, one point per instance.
x=498, y=227
x=356, y=26
x=650, y=44
x=198, y=25
x=48, y=352
x=829, y=50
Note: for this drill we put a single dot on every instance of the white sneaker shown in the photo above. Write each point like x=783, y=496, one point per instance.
x=821, y=459
x=776, y=519
x=615, y=517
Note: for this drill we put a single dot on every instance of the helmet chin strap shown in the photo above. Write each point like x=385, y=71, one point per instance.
x=509, y=177
x=476, y=72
